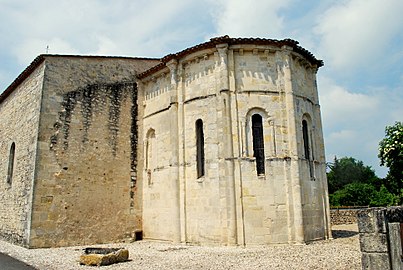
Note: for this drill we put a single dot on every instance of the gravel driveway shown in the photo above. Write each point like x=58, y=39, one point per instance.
x=343, y=252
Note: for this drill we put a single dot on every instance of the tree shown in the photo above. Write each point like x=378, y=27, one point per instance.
x=349, y=170
x=353, y=194
x=391, y=156
x=362, y=194
x=383, y=198
x=351, y=183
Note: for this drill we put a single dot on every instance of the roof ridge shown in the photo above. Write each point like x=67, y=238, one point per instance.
x=232, y=41
x=39, y=60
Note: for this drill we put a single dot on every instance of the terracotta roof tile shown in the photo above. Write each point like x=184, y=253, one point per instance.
x=234, y=41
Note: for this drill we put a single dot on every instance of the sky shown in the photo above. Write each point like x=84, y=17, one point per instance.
x=360, y=41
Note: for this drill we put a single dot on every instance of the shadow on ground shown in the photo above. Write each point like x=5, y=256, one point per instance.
x=343, y=234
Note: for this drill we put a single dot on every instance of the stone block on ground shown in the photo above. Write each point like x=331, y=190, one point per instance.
x=103, y=256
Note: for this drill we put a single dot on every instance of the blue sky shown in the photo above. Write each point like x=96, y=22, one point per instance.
x=361, y=42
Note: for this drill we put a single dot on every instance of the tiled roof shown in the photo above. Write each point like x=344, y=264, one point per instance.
x=234, y=41
x=158, y=64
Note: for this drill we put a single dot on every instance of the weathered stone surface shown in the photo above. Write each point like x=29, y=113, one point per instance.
x=396, y=245
x=87, y=147
x=373, y=242
x=375, y=261
x=371, y=220
x=73, y=122
x=343, y=216
x=394, y=214
x=120, y=255
x=19, y=124
x=380, y=238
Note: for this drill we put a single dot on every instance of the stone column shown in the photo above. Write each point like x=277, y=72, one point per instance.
x=181, y=152
x=295, y=188
x=175, y=174
x=227, y=180
x=236, y=153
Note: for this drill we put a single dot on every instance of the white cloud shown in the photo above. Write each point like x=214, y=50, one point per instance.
x=354, y=122
x=339, y=141
x=341, y=107
x=32, y=47
x=359, y=144
x=106, y=46
x=95, y=27
x=357, y=33
x=250, y=18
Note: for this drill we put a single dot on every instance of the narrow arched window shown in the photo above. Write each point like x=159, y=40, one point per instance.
x=11, y=164
x=307, y=147
x=258, y=143
x=305, y=136
x=199, y=148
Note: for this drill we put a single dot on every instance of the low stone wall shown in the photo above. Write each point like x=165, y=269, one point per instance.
x=343, y=216
x=381, y=238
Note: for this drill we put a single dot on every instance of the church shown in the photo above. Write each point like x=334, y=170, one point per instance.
x=218, y=144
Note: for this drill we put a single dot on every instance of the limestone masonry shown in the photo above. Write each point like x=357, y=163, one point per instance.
x=219, y=144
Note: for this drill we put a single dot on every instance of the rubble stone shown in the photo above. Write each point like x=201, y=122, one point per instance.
x=96, y=259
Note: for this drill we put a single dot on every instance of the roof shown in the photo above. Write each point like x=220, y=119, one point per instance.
x=41, y=58
x=152, y=65
x=234, y=41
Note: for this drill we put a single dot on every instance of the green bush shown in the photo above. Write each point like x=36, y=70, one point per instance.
x=383, y=198
x=361, y=194
x=353, y=194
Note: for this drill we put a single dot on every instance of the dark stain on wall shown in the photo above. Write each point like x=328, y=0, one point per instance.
x=88, y=96
x=68, y=104
x=115, y=96
x=93, y=98
x=133, y=142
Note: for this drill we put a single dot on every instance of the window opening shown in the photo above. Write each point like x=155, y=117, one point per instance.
x=199, y=148
x=307, y=150
x=11, y=164
x=258, y=143
x=306, y=139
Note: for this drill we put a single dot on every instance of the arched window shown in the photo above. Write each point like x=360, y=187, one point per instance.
x=307, y=147
x=305, y=136
x=11, y=164
x=258, y=143
x=199, y=148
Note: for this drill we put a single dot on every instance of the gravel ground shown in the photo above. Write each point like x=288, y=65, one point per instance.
x=343, y=252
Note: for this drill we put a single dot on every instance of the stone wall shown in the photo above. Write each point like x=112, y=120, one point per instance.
x=231, y=203
x=101, y=174
x=19, y=114
x=343, y=216
x=381, y=236
x=86, y=184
